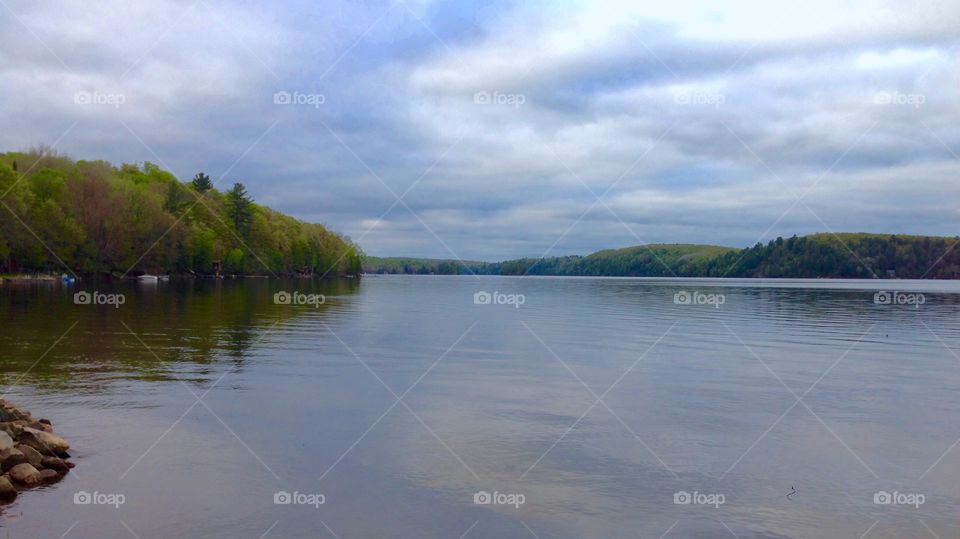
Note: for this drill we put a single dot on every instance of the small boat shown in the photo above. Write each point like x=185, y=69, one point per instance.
x=148, y=277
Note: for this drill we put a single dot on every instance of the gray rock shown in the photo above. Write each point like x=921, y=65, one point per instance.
x=55, y=463
x=33, y=456
x=11, y=457
x=7, y=491
x=6, y=442
x=25, y=474
x=49, y=476
x=46, y=443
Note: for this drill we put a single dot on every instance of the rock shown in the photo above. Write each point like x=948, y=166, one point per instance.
x=55, y=463
x=40, y=426
x=9, y=428
x=11, y=457
x=49, y=476
x=7, y=491
x=25, y=474
x=6, y=442
x=33, y=456
x=45, y=422
x=44, y=442
x=10, y=413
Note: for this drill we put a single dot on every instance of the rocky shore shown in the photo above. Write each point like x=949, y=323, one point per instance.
x=30, y=453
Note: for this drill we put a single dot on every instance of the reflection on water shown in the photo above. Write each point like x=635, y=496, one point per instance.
x=602, y=401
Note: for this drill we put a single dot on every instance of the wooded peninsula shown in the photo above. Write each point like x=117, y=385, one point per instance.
x=94, y=218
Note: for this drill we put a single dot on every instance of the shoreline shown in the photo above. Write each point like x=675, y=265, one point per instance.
x=49, y=278
x=31, y=454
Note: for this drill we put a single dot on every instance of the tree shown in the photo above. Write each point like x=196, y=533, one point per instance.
x=201, y=183
x=240, y=208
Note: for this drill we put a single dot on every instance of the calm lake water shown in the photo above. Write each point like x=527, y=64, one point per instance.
x=597, y=403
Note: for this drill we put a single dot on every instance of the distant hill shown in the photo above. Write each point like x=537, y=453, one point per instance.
x=420, y=266
x=845, y=255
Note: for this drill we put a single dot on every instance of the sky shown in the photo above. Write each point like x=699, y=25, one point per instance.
x=489, y=130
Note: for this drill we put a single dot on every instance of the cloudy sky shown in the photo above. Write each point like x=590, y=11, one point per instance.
x=490, y=130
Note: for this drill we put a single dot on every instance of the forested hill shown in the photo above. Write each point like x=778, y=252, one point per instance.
x=90, y=217
x=864, y=256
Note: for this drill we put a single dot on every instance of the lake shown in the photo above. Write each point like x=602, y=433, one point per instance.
x=422, y=406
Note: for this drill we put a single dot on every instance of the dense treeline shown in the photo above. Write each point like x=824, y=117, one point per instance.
x=95, y=218
x=845, y=256
x=815, y=256
x=421, y=266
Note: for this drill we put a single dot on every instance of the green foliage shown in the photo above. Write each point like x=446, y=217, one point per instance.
x=816, y=256
x=98, y=218
x=240, y=209
x=233, y=263
x=201, y=183
x=420, y=266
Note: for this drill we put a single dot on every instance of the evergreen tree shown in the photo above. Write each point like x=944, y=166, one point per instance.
x=240, y=208
x=201, y=183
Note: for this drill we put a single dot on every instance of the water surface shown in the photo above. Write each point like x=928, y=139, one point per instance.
x=598, y=400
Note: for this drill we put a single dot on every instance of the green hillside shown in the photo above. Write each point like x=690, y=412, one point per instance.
x=845, y=255
x=91, y=217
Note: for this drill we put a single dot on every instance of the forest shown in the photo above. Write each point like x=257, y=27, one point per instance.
x=825, y=255
x=93, y=218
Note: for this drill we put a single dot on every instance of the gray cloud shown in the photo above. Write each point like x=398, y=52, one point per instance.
x=702, y=123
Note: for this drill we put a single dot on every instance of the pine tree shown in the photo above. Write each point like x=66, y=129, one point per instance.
x=201, y=182
x=240, y=208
